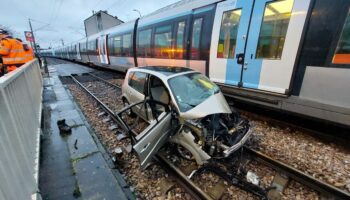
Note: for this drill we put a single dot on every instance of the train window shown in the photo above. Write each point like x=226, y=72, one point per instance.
x=92, y=47
x=274, y=29
x=127, y=45
x=180, y=40
x=196, y=35
x=144, y=43
x=117, y=46
x=342, y=54
x=138, y=81
x=162, y=42
x=228, y=34
x=82, y=47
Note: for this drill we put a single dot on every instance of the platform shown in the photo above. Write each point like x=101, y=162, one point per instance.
x=74, y=166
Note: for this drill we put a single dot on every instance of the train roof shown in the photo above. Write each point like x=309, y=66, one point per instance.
x=181, y=7
x=184, y=4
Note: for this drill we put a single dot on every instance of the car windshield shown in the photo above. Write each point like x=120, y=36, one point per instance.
x=191, y=89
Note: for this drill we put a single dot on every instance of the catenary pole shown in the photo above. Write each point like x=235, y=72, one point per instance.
x=31, y=30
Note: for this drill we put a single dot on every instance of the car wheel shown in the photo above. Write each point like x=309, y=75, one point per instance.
x=129, y=112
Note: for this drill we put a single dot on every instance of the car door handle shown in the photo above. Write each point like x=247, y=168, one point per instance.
x=145, y=148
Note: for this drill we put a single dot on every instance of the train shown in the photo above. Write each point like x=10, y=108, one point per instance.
x=287, y=55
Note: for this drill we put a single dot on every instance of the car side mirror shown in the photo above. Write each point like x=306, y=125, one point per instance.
x=173, y=110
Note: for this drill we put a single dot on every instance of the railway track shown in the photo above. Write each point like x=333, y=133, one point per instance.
x=181, y=179
x=195, y=191
x=326, y=190
x=325, y=135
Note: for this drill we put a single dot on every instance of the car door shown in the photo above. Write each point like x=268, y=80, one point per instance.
x=153, y=138
x=136, y=91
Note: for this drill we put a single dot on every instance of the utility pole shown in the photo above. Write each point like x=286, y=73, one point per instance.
x=31, y=30
x=62, y=42
x=137, y=12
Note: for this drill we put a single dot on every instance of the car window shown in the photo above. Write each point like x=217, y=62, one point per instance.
x=137, y=81
x=192, y=89
x=158, y=90
x=130, y=77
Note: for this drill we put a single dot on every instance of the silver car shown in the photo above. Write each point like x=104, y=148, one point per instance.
x=183, y=107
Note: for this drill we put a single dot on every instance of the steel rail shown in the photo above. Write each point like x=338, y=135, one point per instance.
x=103, y=105
x=299, y=176
x=295, y=126
x=180, y=178
x=183, y=180
x=103, y=80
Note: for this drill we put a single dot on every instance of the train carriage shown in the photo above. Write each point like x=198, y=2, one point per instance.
x=120, y=45
x=290, y=55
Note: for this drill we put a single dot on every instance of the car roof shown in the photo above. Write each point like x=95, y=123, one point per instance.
x=163, y=72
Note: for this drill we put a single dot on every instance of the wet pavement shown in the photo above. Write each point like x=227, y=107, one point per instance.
x=73, y=166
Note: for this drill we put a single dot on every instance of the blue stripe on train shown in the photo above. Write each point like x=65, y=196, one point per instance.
x=251, y=76
x=233, y=70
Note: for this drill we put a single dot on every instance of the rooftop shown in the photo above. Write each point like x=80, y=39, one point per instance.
x=167, y=70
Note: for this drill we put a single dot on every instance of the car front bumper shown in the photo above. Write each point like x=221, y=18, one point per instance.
x=240, y=144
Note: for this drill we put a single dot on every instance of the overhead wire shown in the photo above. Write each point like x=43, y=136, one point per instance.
x=98, y=3
x=57, y=11
x=53, y=10
x=112, y=5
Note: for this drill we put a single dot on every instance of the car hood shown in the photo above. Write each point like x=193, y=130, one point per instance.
x=215, y=104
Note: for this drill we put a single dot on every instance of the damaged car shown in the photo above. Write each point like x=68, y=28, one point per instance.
x=182, y=107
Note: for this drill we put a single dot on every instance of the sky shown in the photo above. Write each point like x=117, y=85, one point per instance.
x=57, y=20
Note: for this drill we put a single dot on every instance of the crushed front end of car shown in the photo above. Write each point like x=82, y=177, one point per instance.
x=211, y=129
x=196, y=119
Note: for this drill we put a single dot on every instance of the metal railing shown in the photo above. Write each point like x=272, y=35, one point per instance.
x=20, y=117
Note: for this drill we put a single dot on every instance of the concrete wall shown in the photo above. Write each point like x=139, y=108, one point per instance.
x=100, y=21
x=20, y=117
x=91, y=25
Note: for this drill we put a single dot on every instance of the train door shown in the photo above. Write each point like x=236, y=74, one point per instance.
x=77, y=46
x=102, y=41
x=257, y=43
x=229, y=36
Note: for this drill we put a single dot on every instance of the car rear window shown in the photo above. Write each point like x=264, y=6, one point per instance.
x=137, y=81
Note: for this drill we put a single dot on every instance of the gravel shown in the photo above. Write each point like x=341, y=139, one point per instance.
x=294, y=190
x=145, y=183
x=321, y=160
x=325, y=161
x=107, y=94
x=207, y=181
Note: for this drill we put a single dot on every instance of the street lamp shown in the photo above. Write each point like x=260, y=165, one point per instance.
x=137, y=12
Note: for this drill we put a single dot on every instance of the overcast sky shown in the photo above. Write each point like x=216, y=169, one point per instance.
x=53, y=20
